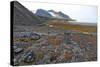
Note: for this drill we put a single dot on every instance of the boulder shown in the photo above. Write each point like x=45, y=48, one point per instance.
x=17, y=49
x=35, y=36
x=29, y=57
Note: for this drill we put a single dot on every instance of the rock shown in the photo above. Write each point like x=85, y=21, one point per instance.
x=17, y=49
x=35, y=36
x=29, y=57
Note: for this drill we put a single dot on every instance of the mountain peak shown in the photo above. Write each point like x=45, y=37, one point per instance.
x=51, y=13
x=42, y=12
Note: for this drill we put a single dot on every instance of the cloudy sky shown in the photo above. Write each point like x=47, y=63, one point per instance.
x=81, y=13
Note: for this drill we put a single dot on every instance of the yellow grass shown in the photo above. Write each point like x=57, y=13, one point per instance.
x=80, y=28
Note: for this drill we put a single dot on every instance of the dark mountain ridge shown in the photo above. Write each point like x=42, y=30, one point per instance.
x=22, y=16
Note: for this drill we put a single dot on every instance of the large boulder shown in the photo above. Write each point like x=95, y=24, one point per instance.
x=29, y=56
x=35, y=36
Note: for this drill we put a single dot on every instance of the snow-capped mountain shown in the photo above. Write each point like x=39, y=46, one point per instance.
x=55, y=14
x=51, y=14
x=44, y=13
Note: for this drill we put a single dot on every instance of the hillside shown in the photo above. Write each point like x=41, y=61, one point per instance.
x=22, y=16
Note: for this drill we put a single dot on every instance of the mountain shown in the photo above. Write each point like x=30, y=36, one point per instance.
x=64, y=15
x=51, y=14
x=59, y=15
x=22, y=16
x=43, y=13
